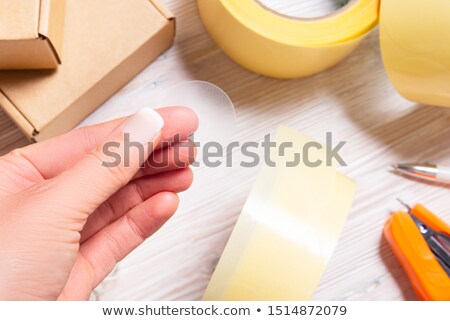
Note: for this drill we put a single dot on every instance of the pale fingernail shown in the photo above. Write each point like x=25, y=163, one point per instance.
x=144, y=126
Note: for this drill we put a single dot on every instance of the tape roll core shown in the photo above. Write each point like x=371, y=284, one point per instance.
x=327, y=15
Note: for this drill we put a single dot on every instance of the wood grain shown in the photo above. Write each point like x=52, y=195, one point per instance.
x=354, y=100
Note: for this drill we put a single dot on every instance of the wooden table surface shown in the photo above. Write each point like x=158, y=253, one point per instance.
x=354, y=100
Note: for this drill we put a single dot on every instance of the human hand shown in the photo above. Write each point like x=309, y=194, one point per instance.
x=66, y=220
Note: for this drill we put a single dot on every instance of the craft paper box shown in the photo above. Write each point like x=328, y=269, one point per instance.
x=31, y=33
x=105, y=44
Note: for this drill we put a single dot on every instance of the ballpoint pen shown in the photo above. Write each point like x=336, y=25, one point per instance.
x=434, y=173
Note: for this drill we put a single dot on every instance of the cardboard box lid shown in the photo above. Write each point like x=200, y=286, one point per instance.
x=105, y=44
x=19, y=19
x=31, y=33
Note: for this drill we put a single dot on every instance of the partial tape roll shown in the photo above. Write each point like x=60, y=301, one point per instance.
x=415, y=43
x=275, y=45
x=288, y=228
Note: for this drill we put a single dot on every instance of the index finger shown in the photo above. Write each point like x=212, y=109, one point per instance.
x=53, y=156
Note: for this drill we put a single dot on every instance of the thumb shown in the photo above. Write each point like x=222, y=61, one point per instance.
x=110, y=166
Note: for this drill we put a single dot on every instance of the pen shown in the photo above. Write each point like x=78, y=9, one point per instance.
x=434, y=173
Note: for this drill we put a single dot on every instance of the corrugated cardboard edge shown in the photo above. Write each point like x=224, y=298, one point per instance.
x=122, y=74
x=163, y=10
x=17, y=117
x=51, y=25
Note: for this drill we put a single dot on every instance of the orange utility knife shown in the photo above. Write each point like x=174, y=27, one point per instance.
x=421, y=242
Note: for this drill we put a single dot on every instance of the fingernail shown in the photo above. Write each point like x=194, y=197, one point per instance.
x=144, y=126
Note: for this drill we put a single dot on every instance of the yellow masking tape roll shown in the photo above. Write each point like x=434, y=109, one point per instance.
x=415, y=42
x=287, y=231
x=275, y=45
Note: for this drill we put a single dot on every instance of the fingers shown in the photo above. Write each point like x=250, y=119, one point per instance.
x=174, y=157
x=53, y=156
x=135, y=193
x=109, y=167
x=111, y=244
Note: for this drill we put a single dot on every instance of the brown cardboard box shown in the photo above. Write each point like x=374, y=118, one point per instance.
x=105, y=44
x=31, y=33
